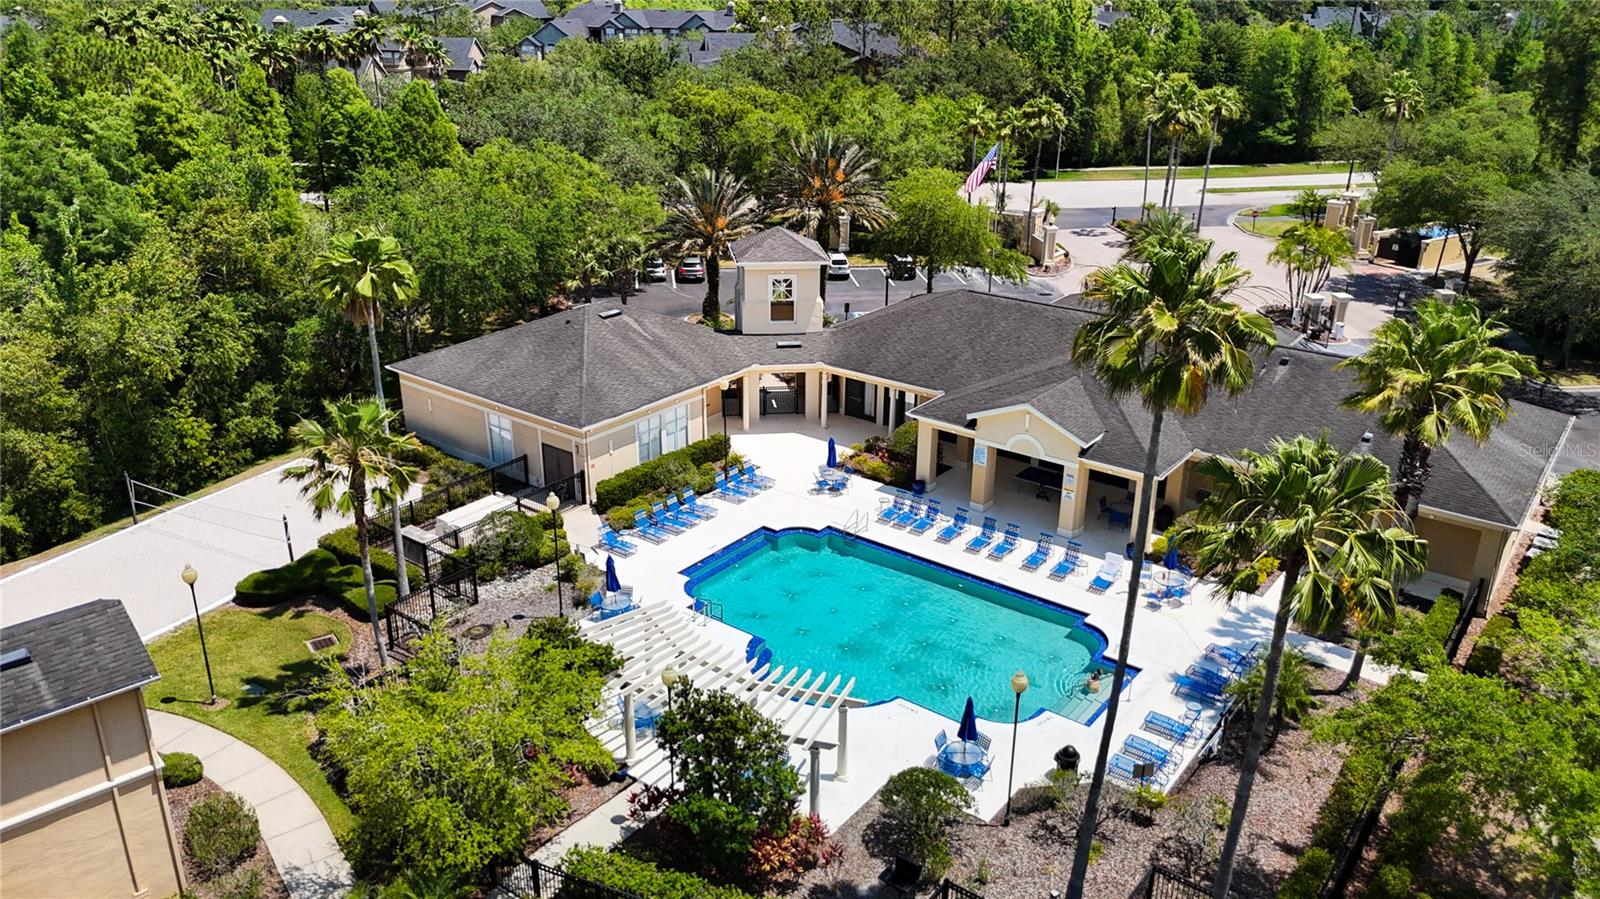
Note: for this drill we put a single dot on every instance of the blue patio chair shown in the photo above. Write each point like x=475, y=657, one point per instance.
x=1105, y=509
x=976, y=775
x=1209, y=675
x=614, y=543
x=891, y=511
x=596, y=599
x=940, y=740
x=678, y=513
x=1121, y=770
x=1110, y=570
x=986, y=535
x=1231, y=657
x=985, y=741
x=1074, y=548
x=957, y=525
x=929, y=518
x=760, y=481
x=1008, y=542
x=705, y=510
x=668, y=522
x=1193, y=688
x=729, y=490
x=1067, y=565
x=647, y=529
x=912, y=512
x=1140, y=748
x=1168, y=727
x=1040, y=554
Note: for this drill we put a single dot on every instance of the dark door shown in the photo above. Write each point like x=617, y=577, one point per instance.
x=557, y=463
x=855, y=399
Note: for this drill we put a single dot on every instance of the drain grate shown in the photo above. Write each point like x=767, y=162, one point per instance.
x=318, y=644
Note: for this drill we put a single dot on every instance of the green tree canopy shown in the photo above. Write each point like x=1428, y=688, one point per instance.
x=933, y=223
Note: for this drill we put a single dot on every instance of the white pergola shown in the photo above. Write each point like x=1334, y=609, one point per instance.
x=802, y=703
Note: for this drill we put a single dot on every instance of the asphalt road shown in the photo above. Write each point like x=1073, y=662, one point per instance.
x=1098, y=217
x=862, y=291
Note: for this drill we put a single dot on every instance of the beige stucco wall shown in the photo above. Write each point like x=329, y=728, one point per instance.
x=1461, y=550
x=615, y=448
x=752, y=311
x=457, y=423
x=110, y=841
x=1028, y=433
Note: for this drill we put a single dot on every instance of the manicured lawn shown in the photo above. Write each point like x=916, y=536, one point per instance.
x=1265, y=227
x=1257, y=190
x=1195, y=171
x=266, y=653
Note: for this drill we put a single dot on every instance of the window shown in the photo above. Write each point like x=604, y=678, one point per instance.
x=781, y=291
x=499, y=438
x=663, y=432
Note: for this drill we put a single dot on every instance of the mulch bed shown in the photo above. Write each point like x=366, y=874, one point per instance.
x=1034, y=855
x=180, y=800
x=583, y=798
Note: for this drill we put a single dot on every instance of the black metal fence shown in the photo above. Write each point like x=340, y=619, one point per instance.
x=448, y=582
x=509, y=477
x=949, y=889
x=1473, y=605
x=1160, y=883
x=534, y=879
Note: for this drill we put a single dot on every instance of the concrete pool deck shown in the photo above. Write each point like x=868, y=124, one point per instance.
x=891, y=736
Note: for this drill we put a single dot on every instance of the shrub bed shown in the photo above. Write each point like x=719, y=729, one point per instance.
x=302, y=577
x=346, y=547
x=641, y=878
x=222, y=832
x=180, y=769
x=677, y=469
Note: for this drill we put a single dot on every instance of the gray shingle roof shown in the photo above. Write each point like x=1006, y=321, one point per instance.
x=878, y=43
x=980, y=352
x=533, y=9
x=334, y=18
x=458, y=53
x=76, y=655
x=777, y=245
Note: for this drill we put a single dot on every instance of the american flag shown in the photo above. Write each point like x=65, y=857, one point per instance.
x=975, y=179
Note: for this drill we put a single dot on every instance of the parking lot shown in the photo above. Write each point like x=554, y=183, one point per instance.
x=862, y=291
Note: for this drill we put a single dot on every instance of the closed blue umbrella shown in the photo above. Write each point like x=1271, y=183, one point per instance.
x=969, y=724
x=612, y=584
x=833, y=454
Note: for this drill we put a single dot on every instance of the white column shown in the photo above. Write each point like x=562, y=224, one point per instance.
x=629, y=739
x=815, y=784
x=842, y=754
x=894, y=407
x=826, y=392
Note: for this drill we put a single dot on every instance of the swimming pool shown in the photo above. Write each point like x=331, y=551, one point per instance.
x=903, y=626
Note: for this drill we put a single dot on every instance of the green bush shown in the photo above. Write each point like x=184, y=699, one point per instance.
x=1490, y=650
x=641, y=878
x=674, y=469
x=1309, y=875
x=621, y=517
x=902, y=447
x=222, y=832
x=180, y=769
x=920, y=805
x=345, y=546
x=508, y=541
x=1441, y=616
x=721, y=833
x=355, y=598
x=1391, y=882
x=241, y=885
x=1359, y=780
x=304, y=576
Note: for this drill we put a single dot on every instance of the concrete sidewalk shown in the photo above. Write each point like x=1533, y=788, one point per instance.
x=301, y=843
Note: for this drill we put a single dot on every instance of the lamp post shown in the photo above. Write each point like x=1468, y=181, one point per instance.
x=1019, y=685
x=552, y=504
x=189, y=577
x=670, y=677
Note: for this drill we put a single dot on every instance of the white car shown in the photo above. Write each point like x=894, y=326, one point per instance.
x=838, y=266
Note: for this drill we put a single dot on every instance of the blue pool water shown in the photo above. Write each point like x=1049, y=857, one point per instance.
x=902, y=626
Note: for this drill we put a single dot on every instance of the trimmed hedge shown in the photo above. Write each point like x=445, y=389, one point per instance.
x=346, y=547
x=641, y=878
x=180, y=769
x=305, y=576
x=646, y=478
x=222, y=832
x=355, y=597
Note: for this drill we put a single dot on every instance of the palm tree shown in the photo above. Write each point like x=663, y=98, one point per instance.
x=1163, y=228
x=706, y=211
x=367, y=34
x=361, y=273
x=1402, y=100
x=1011, y=127
x=1331, y=523
x=276, y=53
x=349, y=460
x=1427, y=378
x=1045, y=117
x=1170, y=335
x=825, y=176
x=1147, y=84
x=1292, y=699
x=1222, y=104
x=977, y=125
x=318, y=45
x=1182, y=110
x=1308, y=254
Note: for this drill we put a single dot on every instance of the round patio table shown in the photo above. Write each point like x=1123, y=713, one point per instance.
x=616, y=602
x=1195, y=708
x=960, y=757
x=1167, y=577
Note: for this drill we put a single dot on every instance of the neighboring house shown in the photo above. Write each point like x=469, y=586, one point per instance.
x=864, y=42
x=82, y=808
x=337, y=19
x=713, y=47
x=598, y=389
x=463, y=56
x=1105, y=15
x=602, y=20
x=498, y=12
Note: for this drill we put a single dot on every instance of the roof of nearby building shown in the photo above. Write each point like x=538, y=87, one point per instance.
x=718, y=44
x=458, y=53
x=1105, y=16
x=533, y=9
x=1329, y=16
x=980, y=353
x=777, y=245
x=334, y=18
x=879, y=44
x=559, y=28
x=74, y=656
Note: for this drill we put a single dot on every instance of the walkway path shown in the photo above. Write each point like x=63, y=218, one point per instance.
x=301, y=843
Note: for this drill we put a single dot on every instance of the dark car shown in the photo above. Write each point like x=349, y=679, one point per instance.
x=691, y=268
x=902, y=268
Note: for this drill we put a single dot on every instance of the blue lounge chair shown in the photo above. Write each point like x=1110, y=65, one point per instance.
x=1008, y=542
x=686, y=505
x=897, y=505
x=1209, y=675
x=729, y=490
x=614, y=543
x=1168, y=727
x=1143, y=749
x=957, y=524
x=738, y=478
x=668, y=522
x=929, y=518
x=1067, y=565
x=1110, y=570
x=760, y=481
x=1121, y=770
x=678, y=513
x=1231, y=657
x=1193, y=688
x=763, y=659
x=906, y=518
x=1040, y=554
x=647, y=529
x=985, y=536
